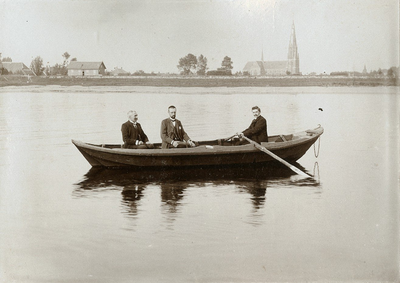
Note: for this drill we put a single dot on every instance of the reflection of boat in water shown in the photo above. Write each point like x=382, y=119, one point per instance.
x=252, y=180
x=207, y=153
x=174, y=186
x=97, y=176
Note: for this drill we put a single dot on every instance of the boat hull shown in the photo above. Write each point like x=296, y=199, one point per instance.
x=202, y=155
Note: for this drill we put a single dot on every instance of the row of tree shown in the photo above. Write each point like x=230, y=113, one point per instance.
x=5, y=59
x=188, y=65
x=59, y=69
x=392, y=72
x=191, y=64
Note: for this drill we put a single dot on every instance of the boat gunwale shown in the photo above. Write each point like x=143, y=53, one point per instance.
x=203, y=150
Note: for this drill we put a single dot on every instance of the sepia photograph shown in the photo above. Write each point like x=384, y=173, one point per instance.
x=199, y=141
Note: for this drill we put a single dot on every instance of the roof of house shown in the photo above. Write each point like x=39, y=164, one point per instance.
x=265, y=65
x=268, y=65
x=14, y=66
x=77, y=65
x=253, y=65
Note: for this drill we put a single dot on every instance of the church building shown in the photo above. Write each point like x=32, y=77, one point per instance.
x=277, y=68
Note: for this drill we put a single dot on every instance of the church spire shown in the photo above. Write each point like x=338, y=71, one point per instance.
x=293, y=35
x=293, y=55
x=365, y=69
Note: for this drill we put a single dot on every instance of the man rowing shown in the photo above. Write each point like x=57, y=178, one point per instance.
x=257, y=131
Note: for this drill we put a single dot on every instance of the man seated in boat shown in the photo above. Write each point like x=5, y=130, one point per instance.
x=172, y=132
x=133, y=134
x=257, y=131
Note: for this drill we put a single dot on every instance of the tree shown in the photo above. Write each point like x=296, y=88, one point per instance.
x=74, y=59
x=66, y=57
x=55, y=70
x=392, y=72
x=37, y=66
x=202, y=65
x=227, y=63
x=6, y=59
x=139, y=73
x=47, y=70
x=187, y=64
x=3, y=71
x=62, y=69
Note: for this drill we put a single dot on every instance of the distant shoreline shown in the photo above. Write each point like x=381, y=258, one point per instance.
x=158, y=81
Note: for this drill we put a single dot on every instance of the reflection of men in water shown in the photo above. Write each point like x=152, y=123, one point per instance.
x=133, y=134
x=131, y=195
x=172, y=132
x=258, y=190
x=257, y=131
x=172, y=194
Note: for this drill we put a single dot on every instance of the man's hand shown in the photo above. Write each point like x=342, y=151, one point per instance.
x=192, y=144
x=175, y=144
x=148, y=142
x=240, y=135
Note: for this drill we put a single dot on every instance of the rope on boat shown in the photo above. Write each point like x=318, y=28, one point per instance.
x=316, y=152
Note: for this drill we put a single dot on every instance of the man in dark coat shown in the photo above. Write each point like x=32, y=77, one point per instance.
x=133, y=134
x=257, y=131
x=172, y=132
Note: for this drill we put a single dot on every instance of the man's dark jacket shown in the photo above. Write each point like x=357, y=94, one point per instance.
x=130, y=134
x=257, y=131
x=170, y=133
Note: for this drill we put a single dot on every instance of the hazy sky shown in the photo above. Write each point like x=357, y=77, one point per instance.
x=332, y=35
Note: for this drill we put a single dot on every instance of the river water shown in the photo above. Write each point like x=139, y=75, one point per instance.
x=62, y=221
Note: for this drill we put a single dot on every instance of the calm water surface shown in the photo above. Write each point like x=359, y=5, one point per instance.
x=62, y=221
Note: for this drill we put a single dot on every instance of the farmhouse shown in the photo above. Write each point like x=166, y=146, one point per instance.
x=17, y=68
x=77, y=68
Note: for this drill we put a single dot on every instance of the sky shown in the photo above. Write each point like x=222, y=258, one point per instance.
x=151, y=35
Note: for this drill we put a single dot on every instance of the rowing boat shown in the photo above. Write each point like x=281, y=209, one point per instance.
x=220, y=152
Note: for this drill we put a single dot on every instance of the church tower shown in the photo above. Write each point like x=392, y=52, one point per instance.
x=293, y=65
x=365, y=70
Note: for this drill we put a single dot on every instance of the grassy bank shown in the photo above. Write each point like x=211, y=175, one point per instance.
x=199, y=81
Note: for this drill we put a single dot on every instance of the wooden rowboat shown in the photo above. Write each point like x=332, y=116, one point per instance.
x=207, y=153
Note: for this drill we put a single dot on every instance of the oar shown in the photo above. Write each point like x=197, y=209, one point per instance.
x=227, y=139
x=293, y=168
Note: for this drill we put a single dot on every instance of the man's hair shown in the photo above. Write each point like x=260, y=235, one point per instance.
x=172, y=106
x=130, y=112
x=256, y=107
